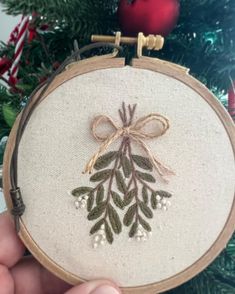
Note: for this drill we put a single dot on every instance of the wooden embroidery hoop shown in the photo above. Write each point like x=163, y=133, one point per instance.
x=154, y=65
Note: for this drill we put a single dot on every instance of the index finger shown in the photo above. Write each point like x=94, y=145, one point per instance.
x=11, y=247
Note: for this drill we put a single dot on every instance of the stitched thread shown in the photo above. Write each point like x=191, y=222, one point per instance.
x=132, y=174
x=133, y=131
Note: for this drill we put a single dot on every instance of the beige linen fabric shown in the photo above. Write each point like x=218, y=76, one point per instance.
x=58, y=143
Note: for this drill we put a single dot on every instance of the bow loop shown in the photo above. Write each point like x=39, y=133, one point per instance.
x=137, y=131
x=154, y=121
x=97, y=122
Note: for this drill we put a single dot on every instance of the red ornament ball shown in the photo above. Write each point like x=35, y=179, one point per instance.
x=157, y=17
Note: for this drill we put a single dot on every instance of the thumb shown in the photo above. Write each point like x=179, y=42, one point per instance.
x=95, y=287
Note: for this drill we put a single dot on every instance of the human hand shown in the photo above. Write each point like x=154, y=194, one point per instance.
x=24, y=275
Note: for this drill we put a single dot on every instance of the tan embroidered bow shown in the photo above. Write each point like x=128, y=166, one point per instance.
x=137, y=132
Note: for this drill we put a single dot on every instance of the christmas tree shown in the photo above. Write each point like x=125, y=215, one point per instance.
x=203, y=41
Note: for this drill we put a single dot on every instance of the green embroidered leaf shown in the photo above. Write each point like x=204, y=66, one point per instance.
x=129, y=216
x=133, y=229
x=146, y=210
x=126, y=166
x=100, y=194
x=81, y=191
x=90, y=201
x=117, y=200
x=145, y=194
x=104, y=160
x=129, y=196
x=146, y=177
x=102, y=175
x=97, y=226
x=143, y=162
x=114, y=220
x=120, y=182
x=144, y=224
x=164, y=194
x=154, y=200
x=108, y=232
x=97, y=211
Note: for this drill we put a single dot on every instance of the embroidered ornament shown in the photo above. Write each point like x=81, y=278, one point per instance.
x=46, y=157
x=124, y=180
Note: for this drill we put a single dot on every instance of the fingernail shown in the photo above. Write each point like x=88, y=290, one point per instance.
x=105, y=289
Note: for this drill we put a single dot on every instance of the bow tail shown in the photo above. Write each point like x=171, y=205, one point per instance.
x=166, y=171
x=162, y=169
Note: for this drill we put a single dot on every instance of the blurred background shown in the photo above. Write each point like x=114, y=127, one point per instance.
x=7, y=23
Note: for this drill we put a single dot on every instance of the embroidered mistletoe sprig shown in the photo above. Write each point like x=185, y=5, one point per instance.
x=124, y=180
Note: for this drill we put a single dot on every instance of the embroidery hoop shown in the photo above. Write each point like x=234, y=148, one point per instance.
x=164, y=68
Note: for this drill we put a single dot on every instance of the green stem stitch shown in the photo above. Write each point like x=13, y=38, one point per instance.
x=112, y=177
x=135, y=184
x=146, y=185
